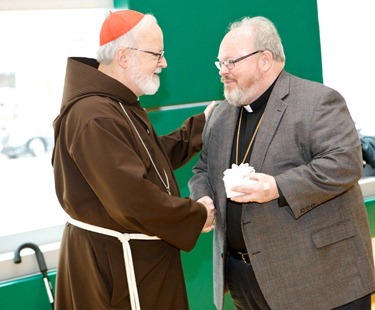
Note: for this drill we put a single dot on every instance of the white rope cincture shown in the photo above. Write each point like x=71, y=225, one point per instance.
x=128, y=259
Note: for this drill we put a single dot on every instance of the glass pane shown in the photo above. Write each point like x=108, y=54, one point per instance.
x=35, y=45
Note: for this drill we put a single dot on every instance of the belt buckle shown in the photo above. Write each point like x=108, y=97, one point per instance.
x=243, y=257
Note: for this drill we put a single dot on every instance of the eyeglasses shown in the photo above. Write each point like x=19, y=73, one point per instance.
x=230, y=64
x=159, y=55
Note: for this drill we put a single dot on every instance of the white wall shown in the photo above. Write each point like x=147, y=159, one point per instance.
x=347, y=31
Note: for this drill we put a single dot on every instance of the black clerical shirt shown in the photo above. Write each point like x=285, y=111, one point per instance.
x=248, y=126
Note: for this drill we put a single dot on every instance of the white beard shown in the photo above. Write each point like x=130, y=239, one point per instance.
x=149, y=85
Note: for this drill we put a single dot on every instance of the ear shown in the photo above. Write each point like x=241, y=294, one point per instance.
x=122, y=57
x=266, y=60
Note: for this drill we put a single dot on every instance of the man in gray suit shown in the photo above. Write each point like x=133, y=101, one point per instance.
x=297, y=236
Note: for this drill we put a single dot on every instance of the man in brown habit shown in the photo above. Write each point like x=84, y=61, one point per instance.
x=114, y=178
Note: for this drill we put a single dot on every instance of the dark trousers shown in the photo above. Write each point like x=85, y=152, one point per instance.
x=247, y=295
x=363, y=303
x=243, y=286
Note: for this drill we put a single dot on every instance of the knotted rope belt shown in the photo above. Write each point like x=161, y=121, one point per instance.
x=128, y=259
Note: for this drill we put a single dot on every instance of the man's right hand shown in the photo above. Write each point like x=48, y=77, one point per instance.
x=210, y=221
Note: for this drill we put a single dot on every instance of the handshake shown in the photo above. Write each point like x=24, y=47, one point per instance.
x=210, y=221
x=260, y=188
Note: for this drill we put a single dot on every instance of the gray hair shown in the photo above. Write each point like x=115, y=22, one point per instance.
x=106, y=53
x=265, y=35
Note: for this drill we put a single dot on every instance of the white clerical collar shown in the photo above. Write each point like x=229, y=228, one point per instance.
x=248, y=109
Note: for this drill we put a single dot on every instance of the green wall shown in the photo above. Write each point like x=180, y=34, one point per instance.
x=28, y=293
x=193, y=31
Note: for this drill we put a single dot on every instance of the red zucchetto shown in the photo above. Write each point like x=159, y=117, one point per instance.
x=118, y=23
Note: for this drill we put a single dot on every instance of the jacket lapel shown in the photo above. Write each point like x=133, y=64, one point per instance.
x=225, y=139
x=273, y=114
x=230, y=124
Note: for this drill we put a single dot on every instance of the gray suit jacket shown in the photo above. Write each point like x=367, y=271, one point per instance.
x=316, y=252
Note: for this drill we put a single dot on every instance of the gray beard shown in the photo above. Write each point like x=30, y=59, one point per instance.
x=237, y=97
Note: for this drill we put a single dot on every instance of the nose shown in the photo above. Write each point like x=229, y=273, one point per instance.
x=223, y=70
x=163, y=62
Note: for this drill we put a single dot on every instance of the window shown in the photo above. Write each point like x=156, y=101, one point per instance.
x=35, y=46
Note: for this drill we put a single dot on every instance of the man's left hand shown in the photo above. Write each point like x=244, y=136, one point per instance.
x=264, y=189
x=208, y=110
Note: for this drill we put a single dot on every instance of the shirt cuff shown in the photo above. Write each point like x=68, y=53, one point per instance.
x=281, y=200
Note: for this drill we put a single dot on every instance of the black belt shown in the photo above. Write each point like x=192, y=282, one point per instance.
x=244, y=256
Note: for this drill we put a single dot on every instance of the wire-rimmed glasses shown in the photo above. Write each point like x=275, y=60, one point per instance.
x=159, y=55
